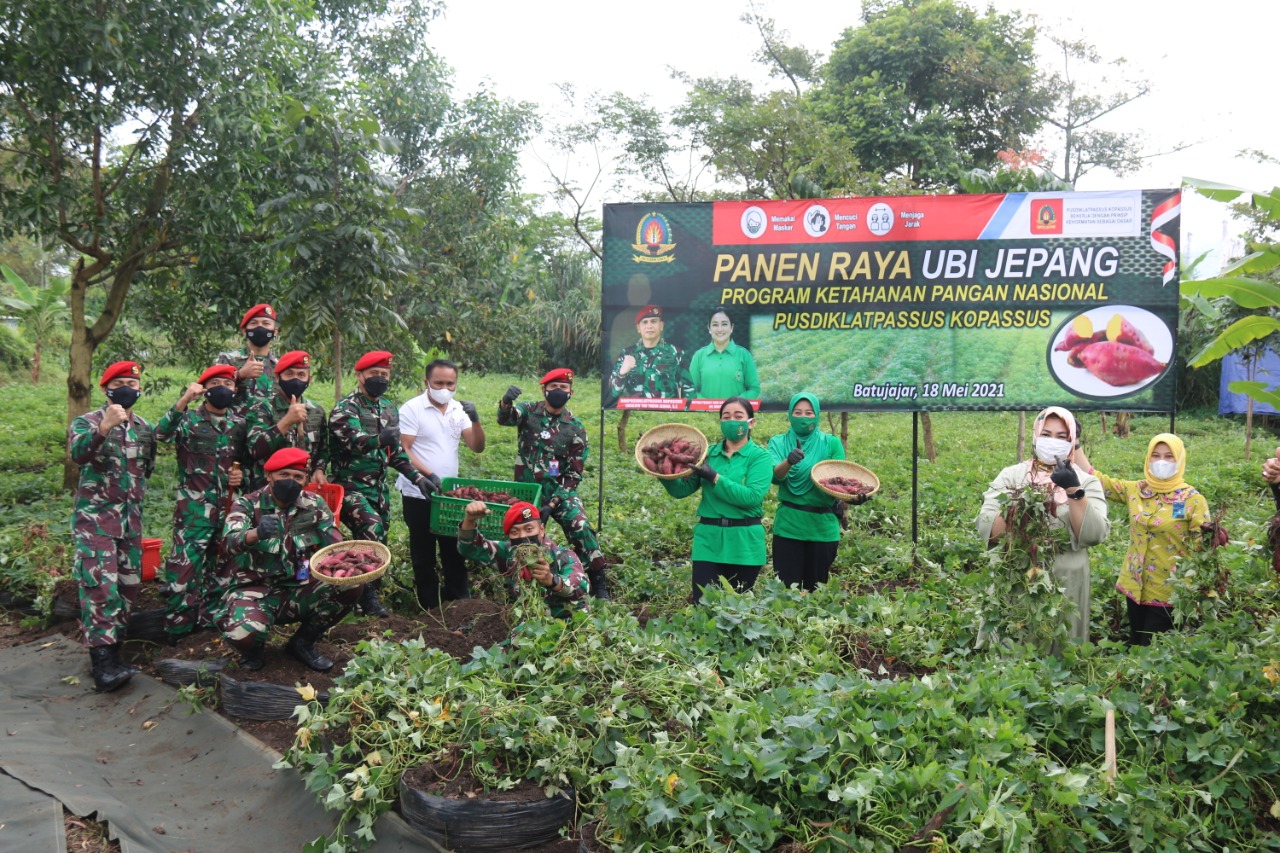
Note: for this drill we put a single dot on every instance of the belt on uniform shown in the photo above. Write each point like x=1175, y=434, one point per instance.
x=730, y=522
x=818, y=510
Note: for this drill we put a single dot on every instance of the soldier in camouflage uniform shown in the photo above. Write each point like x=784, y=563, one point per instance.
x=651, y=367
x=287, y=419
x=270, y=535
x=255, y=364
x=364, y=440
x=116, y=452
x=552, y=450
x=558, y=572
x=211, y=450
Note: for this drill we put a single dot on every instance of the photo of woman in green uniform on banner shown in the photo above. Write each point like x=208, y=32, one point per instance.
x=728, y=540
x=723, y=369
x=806, y=528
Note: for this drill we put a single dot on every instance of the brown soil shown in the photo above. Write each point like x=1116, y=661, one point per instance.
x=453, y=778
x=859, y=651
x=85, y=835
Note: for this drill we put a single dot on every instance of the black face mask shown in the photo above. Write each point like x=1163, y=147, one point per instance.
x=293, y=387
x=260, y=336
x=220, y=396
x=525, y=540
x=557, y=397
x=124, y=396
x=286, y=491
x=376, y=386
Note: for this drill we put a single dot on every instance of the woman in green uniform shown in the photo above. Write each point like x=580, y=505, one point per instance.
x=806, y=528
x=722, y=369
x=728, y=540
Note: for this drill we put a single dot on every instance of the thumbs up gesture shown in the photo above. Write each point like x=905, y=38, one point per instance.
x=251, y=369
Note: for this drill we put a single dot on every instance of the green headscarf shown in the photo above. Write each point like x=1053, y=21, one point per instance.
x=814, y=446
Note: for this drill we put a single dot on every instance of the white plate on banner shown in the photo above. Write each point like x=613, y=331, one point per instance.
x=1080, y=381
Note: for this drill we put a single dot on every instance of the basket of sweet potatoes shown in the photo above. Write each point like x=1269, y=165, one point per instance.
x=351, y=563
x=844, y=480
x=671, y=451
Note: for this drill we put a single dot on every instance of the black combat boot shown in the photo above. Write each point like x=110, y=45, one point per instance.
x=253, y=660
x=302, y=645
x=107, y=673
x=121, y=663
x=599, y=586
x=369, y=604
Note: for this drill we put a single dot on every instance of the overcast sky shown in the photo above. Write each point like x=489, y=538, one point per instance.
x=1210, y=66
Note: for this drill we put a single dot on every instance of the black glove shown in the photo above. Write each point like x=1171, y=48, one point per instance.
x=795, y=456
x=840, y=511
x=545, y=511
x=469, y=409
x=705, y=471
x=428, y=484
x=268, y=527
x=1064, y=476
x=389, y=437
x=510, y=397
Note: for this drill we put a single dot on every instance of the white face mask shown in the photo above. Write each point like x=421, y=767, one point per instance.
x=1162, y=469
x=1049, y=450
x=440, y=396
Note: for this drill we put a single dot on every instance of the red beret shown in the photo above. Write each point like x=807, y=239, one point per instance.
x=227, y=371
x=260, y=310
x=560, y=374
x=293, y=358
x=648, y=311
x=377, y=358
x=519, y=514
x=127, y=369
x=288, y=457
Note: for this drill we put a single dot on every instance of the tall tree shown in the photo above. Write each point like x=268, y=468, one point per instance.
x=928, y=89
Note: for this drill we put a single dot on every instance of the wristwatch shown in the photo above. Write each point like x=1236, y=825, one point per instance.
x=1077, y=494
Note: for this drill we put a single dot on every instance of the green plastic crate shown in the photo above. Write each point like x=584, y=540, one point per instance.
x=447, y=513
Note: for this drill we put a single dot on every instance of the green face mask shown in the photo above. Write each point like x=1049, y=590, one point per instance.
x=734, y=430
x=803, y=426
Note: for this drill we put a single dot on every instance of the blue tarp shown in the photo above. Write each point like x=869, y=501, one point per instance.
x=1234, y=370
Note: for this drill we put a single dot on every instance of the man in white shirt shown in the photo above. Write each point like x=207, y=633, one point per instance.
x=431, y=426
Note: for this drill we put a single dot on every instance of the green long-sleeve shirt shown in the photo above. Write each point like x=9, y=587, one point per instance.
x=737, y=493
x=720, y=375
x=796, y=523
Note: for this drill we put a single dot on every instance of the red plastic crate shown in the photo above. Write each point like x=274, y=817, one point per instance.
x=332, y=494
x=150, y=558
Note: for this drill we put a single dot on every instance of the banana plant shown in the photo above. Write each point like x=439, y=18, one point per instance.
x=41, y=311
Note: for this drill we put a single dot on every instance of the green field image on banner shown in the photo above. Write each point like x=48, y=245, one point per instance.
x=924, y=368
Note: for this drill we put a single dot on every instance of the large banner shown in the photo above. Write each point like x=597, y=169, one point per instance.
x=900, y=303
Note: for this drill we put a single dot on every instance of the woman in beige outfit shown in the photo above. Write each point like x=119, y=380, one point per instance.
x=1078, y=503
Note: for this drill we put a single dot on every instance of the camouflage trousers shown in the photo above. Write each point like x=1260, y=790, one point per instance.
x=251, y=609
x=571, y=515
x=195, y=579
x=108, y=572
x=366, y=516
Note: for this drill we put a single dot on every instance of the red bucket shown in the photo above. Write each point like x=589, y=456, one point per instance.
x=150, y=558
x=332, y=494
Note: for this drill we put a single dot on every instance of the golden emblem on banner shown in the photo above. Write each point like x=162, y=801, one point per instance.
x=653, y=243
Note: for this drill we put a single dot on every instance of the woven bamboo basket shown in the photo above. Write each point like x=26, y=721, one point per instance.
x=663, y=432
x=829, y=468
x=382, y=551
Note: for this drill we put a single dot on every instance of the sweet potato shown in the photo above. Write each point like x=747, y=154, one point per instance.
x=1119, y=364
x=1080, y=332
x=673, y=456
x=1121, y=331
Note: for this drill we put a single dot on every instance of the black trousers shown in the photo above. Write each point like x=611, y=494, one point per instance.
x=742, y=578
x=422, y=553
x=1147, y=619
x=799, y=561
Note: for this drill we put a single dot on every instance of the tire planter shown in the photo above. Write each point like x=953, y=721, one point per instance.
x=257, y=700
x=181, y=673
x=485, y=826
